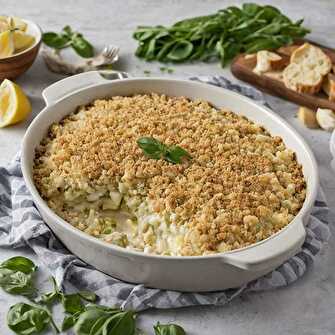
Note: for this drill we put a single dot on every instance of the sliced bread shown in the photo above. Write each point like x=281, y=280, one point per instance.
x=312, y=58
x=308, y=117
x=302, y=79
x=267, y=61
x=326, y=118
x=328, y=86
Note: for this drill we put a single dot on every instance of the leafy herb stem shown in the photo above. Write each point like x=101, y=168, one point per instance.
x=69, y=38
x=155, y=149
x=85, y=318
x=218, y=36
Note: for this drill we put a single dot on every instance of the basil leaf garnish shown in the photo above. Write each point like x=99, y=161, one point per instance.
x=155, y=149
x=69, y=38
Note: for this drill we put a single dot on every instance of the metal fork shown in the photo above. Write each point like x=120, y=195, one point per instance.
x=58, y=64
x=109, y=55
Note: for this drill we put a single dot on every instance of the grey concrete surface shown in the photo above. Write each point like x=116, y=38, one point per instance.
x=306, y=307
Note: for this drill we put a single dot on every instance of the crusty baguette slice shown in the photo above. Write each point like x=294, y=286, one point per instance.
x=313, y=58
x=308, y=117
x=328, y=86
x=267, y=61
x=302, y=79
x=326, y=118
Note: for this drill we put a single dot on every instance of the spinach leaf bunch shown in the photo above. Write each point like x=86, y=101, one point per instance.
x=82, y=314
x=219, y=36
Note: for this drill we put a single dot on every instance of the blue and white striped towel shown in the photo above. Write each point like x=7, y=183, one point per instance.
x=22, y=226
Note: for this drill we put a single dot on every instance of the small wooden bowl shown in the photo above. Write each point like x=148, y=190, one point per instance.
x=13, y=66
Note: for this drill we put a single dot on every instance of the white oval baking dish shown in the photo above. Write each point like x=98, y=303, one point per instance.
x=195, y=273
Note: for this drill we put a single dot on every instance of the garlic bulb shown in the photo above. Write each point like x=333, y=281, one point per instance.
x=326, y=118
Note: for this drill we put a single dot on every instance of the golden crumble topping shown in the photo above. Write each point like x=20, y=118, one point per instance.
x=241, y=186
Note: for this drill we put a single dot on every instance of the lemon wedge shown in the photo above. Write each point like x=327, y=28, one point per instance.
x=14, y=104
x=19, y=24
x=6, y=44
x=13, y=22
x=22, y=40
x=3, y=26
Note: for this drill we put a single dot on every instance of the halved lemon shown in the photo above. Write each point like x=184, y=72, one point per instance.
x=14, y=22
x=6, y=44
x=14, y=104
x=22, y=40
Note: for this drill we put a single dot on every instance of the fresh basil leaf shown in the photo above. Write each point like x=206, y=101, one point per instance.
x=25, y=319
x=168, y=329
x=69, y=321
x=82, y=47
x=151, y=147
x=72, y=303
x=109, y=310
x=98, y=325
x=88, y=296
x=155, y=149
x=121, y=323
x=51, y=297
x=19, y=263
x=16, y=282
x=55, y=41
x=175, y=154
x=88, y=319
x=67, y=31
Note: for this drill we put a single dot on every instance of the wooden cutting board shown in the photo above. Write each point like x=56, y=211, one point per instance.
x=242, y=68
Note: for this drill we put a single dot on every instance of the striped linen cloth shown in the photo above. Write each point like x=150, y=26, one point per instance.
x=22, y=226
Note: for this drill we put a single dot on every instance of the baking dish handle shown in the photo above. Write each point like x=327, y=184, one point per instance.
x=273, y=252
x=71, y=84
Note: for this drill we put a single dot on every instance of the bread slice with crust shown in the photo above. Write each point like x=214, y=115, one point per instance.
x=299, y=78
x=267, y=61
x=308, y=65
x=308, y=117
x=312, y=58
x=328, y=86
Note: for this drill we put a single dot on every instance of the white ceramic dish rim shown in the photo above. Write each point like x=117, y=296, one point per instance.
x=37, y=35
x=308, y=203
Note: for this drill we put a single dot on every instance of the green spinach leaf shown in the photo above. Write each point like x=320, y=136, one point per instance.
x=168, y=329
x=218, y=36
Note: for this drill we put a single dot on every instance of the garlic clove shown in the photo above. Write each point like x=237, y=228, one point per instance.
x=326, y=118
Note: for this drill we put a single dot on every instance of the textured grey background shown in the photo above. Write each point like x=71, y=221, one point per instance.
x=305, y=308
